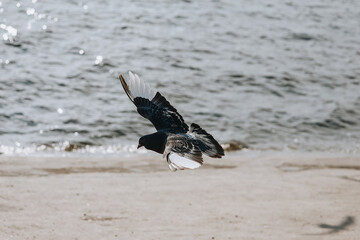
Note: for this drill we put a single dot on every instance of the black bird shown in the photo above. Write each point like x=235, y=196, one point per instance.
x=182, y=147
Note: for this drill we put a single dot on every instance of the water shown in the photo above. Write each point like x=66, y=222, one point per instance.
x=272, y=74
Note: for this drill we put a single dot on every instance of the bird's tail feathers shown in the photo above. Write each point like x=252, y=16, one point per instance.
x=135, y=87
x=206, y=143
x=177, y=162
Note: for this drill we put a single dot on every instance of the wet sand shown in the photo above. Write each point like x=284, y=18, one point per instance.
x=244, y=196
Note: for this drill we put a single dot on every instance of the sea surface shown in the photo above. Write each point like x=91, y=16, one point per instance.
x=274, y=75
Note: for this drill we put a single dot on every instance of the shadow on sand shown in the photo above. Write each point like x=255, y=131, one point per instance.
x=348, y=221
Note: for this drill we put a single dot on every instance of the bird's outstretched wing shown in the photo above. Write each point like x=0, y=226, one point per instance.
x=153, y=106
x=205, y=141
x=182, y=153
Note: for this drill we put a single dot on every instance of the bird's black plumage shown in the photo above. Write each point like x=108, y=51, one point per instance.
x=161, y=114
x=155, y=141
x=182, y=147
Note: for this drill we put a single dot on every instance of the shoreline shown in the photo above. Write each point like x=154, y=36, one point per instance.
x=243, y=196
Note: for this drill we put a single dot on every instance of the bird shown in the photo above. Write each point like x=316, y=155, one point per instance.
x=181, y=145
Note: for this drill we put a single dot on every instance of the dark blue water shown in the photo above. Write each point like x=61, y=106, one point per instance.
x=274, y=75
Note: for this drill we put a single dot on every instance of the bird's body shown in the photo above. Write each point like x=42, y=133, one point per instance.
x=182, y=146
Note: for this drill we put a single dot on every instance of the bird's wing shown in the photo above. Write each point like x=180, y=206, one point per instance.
x=205, y=141
x=153, y=106
x=182, y=153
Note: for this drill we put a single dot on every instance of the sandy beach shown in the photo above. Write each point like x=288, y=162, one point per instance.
x=243, y=196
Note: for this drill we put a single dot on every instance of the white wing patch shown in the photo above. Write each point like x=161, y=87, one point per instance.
x=177, y=162
x=138, y=88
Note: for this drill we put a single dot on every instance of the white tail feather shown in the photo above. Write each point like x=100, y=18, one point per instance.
x=177, y=162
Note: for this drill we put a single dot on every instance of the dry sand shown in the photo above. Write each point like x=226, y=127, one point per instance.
x=245, y=196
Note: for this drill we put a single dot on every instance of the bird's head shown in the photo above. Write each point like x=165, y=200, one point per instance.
x=155, y=142
x=142, y=143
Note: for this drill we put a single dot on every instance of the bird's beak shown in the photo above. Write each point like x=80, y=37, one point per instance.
x=139, y=146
